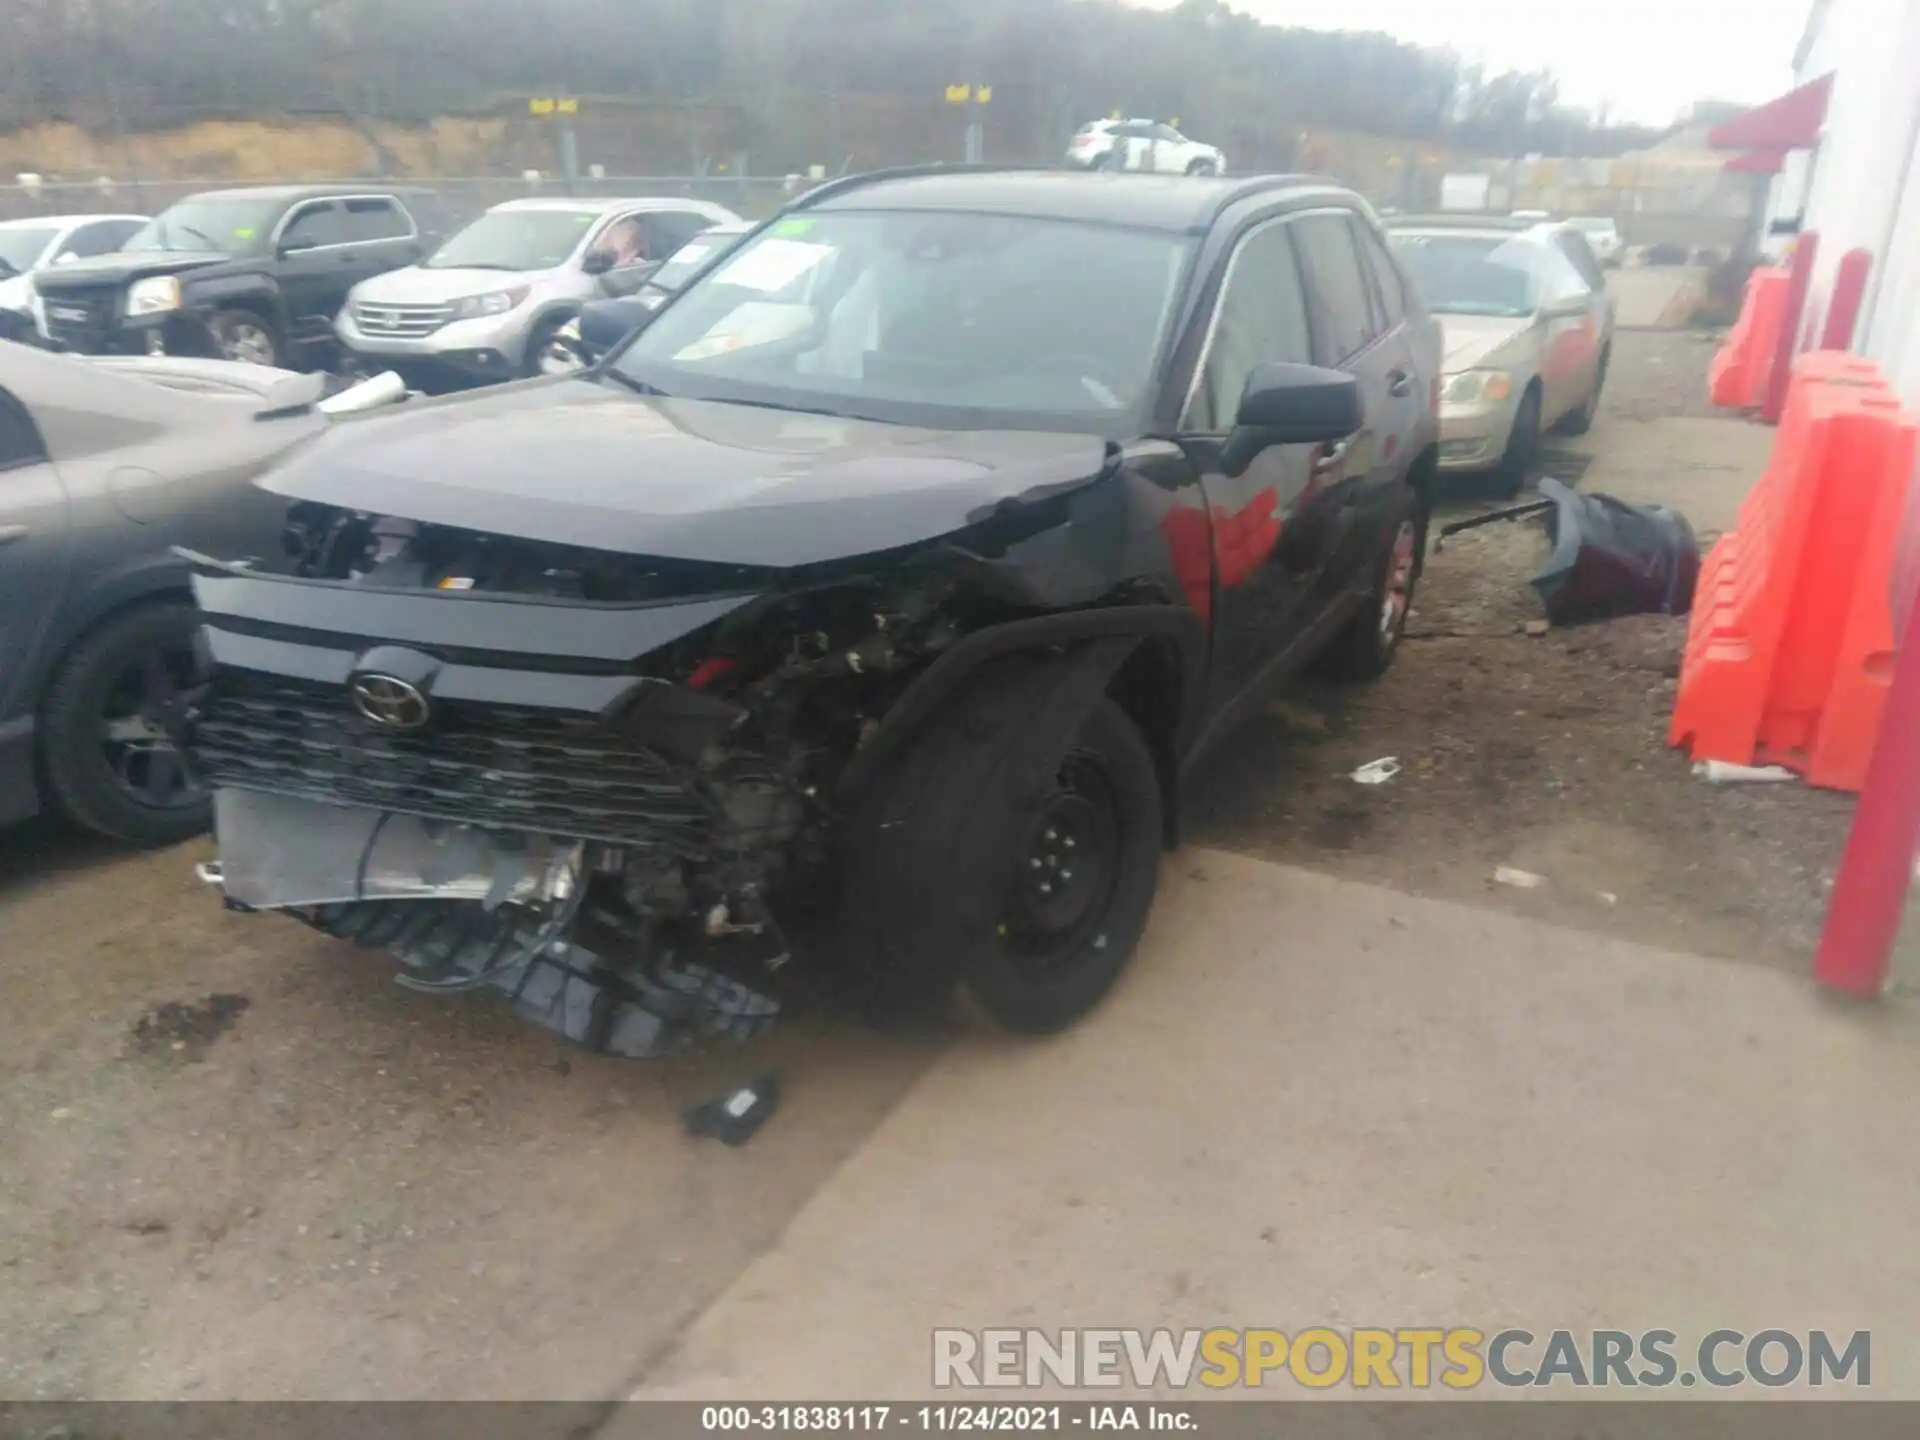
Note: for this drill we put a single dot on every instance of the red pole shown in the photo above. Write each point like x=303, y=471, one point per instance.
x=1849, y=289
x=1869, y=893
x=1799, y=279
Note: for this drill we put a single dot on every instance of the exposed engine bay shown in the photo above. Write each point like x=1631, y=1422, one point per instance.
x=607, y=825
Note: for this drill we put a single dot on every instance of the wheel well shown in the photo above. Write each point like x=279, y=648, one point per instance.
x=86, y=632
x=165, y=596
x=1148, y=689
x=257, y=306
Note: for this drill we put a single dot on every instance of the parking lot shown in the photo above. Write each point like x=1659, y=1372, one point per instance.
x=242, y=1163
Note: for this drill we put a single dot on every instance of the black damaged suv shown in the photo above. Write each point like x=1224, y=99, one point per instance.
x=882, y=588
x=255, y=275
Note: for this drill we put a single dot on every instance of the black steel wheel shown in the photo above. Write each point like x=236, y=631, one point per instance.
x=109, y=725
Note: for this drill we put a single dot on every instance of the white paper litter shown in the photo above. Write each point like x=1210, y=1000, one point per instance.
x=1377, y=772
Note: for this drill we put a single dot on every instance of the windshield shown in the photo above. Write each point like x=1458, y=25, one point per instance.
x=516, y=240
x=1471, y=274
x=21, y=247
x=229, y=225
x=923, y=318
x=691, y=256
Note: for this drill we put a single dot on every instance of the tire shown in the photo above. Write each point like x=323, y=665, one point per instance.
x=956, y=883
x=1201, y=167
x=1365, y=647
x=1113, y=161
x=109, y=678
x=1523, y=445
x=244, y=335
x=1579, y=422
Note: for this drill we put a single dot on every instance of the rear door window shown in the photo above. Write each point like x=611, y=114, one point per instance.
x=1337, y=287
x=1386, y=275
x=668, y=230
x=376, y=218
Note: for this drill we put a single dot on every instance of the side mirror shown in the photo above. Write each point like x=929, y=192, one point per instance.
x=597, y=262
x=1292, y=405
x=604, y=326
x=65, y=257
x=295, y=245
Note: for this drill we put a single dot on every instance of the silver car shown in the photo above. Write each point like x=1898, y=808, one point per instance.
x=486, y=304
x=105, y=465
x=1529, y=333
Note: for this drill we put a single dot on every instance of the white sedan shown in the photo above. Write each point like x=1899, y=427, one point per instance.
x=1142, y=145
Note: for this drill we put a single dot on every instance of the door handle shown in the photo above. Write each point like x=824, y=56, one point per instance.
x=1333, y=457
x=9, y=533
x=1399, y=384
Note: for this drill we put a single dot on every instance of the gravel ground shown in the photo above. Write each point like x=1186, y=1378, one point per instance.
x=1539, y=753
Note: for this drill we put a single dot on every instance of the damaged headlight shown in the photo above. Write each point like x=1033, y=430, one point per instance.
x=1477, y=387
x=495, y=302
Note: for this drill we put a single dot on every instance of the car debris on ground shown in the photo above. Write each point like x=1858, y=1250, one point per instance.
x=1609, y=558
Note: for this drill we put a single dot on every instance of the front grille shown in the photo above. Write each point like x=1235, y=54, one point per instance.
x=400, y=322
x=488, y=766
x=82, y=319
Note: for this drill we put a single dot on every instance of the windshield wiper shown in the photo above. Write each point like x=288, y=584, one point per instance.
x=474, y=265
x=204, y=239
x=793, y=409
x=7, y=269
x=638, y=387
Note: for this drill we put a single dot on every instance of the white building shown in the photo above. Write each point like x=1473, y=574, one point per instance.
x=1851, y=173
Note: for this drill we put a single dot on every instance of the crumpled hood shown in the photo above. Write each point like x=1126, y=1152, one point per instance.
x=123, y=265
x=418, y=285
x=1473, y=341
x=575, y=462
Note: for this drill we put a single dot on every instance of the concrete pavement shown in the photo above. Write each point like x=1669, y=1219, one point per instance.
x=1318, y=1103
x=1653, y=298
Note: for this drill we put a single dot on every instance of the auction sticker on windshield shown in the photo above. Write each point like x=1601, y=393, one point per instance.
x=772, y=265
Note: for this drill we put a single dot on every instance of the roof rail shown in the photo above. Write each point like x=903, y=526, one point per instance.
x=843, y=183
x=1459, y=220
x=1246, y=187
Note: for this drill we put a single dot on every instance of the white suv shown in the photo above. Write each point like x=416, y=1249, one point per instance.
x=487, y=304
x=1142, y=145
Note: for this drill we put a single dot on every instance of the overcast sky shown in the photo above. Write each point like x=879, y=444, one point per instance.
x=1648, y=59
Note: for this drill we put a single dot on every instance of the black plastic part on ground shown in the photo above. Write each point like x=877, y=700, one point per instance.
x=1611, y=558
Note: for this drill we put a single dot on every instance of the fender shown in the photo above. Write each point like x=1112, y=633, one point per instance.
x=945, y=677
x=202, y=293
x=148, y=577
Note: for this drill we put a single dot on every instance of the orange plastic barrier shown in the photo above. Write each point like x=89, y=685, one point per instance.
x=1791, y=642
x=1738, y=377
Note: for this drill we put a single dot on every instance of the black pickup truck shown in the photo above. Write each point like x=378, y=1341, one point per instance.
x=255, y=274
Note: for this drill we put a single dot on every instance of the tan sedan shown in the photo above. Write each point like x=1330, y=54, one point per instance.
x=1529, y=332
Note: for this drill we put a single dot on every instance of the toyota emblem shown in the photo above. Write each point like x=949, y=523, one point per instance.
x=390, y=702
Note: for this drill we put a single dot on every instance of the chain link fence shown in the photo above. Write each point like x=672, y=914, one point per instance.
x=466, y=196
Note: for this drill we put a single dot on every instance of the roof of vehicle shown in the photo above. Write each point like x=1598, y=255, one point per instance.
x=597, y=205
x=62, y=222
x=1488, y=227
x=1155, y=202
x=310, y=192
x=1461, y=220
